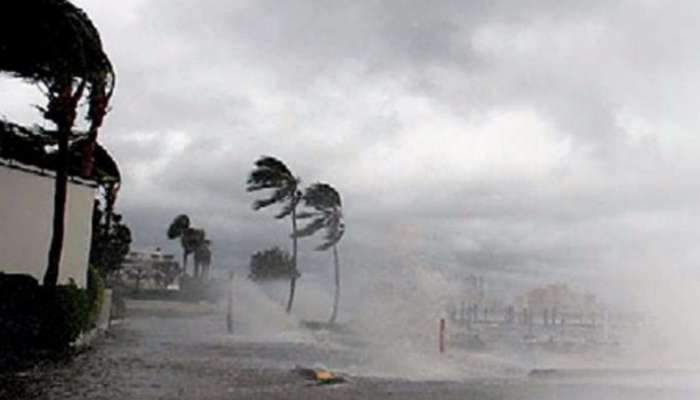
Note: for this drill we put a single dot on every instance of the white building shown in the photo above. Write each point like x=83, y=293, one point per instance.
x=26, y=209
x=26, y=215
x=141, y=267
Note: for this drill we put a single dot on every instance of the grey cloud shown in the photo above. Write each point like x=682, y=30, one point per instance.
x=205, y=88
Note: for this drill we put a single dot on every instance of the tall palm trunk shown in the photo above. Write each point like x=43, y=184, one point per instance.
x=336, y=298
x=61, y=110
x=293, y=277
x=59, y=210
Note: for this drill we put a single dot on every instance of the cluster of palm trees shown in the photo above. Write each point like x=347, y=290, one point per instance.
x=193, y=241
x=322, y=208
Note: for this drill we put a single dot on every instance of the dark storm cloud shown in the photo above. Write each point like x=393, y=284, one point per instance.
x=518, y=137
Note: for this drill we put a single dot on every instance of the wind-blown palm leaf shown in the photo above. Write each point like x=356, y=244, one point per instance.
x=306, y=214
x=312, y=227
x=271, y=173
x=178, y=226
x=334, y=232
x=192, y=239
x=326, y=202
x=54, y=43
x=44, y=40
x=322, y=197
x=327, y=206
x=288, y=207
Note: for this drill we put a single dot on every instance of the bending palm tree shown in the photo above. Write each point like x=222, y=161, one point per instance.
x=202, y=258
x=190, y=238
x=271, y=173
x=328, y=215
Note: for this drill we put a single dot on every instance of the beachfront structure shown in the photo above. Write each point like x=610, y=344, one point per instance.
x=558, y=298
x=148, y=268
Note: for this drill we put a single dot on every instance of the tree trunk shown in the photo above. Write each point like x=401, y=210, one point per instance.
x=184, y=262
x=293, y=277
x=60, y=110
x=229, y=305
x=336, y=298
x=59, y=209
x=109, y=204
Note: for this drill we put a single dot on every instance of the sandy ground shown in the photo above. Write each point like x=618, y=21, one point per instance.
x=180, y=351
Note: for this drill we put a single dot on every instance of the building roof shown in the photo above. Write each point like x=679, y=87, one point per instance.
x=33, y=147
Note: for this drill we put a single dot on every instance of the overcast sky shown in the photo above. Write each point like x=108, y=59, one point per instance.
x=533, y=141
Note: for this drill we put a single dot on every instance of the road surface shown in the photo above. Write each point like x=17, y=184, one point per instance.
x=167, y=350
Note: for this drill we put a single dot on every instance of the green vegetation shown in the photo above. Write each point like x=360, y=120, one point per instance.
x=324, y=209
x=64, y=315
x=194, y=241
x=34, y=317
x=271, y=173
x=111, y=240
x=95, y=295
x=271, y=264
x=327, y=214
x=54, y=44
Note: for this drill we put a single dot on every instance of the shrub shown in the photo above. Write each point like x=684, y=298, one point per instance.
x=64, y=315
x=33, y=317
x=271, y=264
x=95, y=295
x=20, y=323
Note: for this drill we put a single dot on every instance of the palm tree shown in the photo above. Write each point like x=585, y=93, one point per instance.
x=271, y=173
x=189, y=237
x=327, y=214
x=202, y=257
x=54, y=44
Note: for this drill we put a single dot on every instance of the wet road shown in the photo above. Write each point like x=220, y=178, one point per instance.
x=179, y=351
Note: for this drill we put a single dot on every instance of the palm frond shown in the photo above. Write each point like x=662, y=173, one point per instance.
x=271, y=173
x=272, y=163
x=306, y=215
x=334, y=232
x=266, y=179
x=192, y=239
x=49, y=40
x=290, y=206
x=322, y=196
x=326, y=202
x=311, y=228
x=178, y=226
x=277, y=196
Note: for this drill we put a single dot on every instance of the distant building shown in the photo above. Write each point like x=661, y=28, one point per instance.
x=560, y=297
x=149, y=268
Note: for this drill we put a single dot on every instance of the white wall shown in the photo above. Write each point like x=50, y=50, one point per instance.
x=26, y=216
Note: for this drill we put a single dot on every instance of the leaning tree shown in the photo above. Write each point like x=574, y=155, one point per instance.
x=190, y=239
x=54, y=44
x=202, y=258
x=327, y=214
x=271, y=173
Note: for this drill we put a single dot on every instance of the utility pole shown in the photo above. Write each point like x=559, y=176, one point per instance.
x=229, y=305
